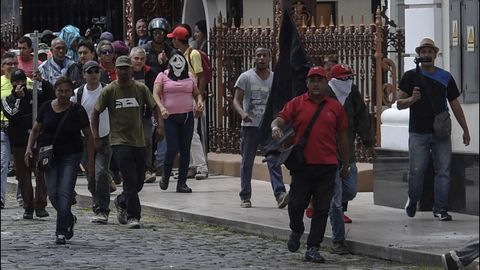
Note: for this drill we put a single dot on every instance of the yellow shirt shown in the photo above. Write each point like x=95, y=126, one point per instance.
x=195, y=67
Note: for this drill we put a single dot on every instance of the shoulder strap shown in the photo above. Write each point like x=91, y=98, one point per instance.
x=61, y=123
x=80, y=93
x=420, y=81
x=190, y=59
x=303, y=141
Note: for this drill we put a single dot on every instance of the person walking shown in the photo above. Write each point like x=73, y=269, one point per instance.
x=141, y=31
x=198, y=162
x=99, y=186
x=251, y=94
x=342, y=88
x=143, y=73
x=174, y=92
x=17, y=107
x=125, y=100
x=425, y=91
x=60, y=122
x=317, y=177
x=58, y=64
x=25, y=58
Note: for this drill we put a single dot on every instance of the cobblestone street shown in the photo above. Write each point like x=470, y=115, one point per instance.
x=160, y=244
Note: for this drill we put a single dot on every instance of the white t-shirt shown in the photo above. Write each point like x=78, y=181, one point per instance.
x=89, y=99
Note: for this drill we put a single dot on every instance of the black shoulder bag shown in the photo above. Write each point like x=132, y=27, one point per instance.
x=293, y=157
x=45, y=153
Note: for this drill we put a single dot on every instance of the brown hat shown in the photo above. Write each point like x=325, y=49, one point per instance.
x=426, y=42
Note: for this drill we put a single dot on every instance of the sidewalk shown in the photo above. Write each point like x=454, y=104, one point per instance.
x=376, y=231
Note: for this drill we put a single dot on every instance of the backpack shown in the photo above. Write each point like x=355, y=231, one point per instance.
x=79, y=94
x=206, y=65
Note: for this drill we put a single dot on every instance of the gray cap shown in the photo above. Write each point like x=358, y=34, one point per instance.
x=123, y=61
x=90, y=64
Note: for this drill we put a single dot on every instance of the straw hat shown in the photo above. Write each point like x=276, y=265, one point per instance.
x=427, y=42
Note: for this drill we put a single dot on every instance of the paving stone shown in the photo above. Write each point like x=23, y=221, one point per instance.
x=160, y=244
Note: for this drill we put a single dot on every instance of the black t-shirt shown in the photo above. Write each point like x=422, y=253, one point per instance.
x=69, y=138
x=435, y=88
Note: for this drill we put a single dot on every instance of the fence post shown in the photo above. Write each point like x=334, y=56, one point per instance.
x=378, y=75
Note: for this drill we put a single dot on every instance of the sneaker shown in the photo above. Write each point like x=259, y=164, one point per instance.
x=41, y=212
x=309, y=212
x=69, y=233
x=246, y=204
x=313, y=255
x=293, y=243
x=163, y=183
x=282, y=200
x=100, y=218
x=149, y=177
x=191, y=172
x=346, y=219
x=183, y=188
x=20, y=202
x=201, y=175
x=448, y=262
x=60, y=240
x=133, y=223
x=411, y=208
x=28, y=214
x=442, y=216
x=121, y=212
x=340, y=248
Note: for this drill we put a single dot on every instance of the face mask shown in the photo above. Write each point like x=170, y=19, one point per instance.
x=177, y=64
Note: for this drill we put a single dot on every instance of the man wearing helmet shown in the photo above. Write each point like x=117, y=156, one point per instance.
x=157, y=48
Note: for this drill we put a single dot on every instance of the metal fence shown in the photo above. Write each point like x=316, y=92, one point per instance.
x=362, y=46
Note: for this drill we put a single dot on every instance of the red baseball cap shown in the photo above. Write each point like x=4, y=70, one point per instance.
x=341, y=71
x=179, y=32
x=317, y=71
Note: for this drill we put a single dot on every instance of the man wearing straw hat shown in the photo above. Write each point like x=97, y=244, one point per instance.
x=425, y=90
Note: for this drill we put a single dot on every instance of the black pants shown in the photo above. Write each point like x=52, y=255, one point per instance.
x=131, y=162
x=319, y=181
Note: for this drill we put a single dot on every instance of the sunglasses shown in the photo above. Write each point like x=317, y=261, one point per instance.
x=106, y=52
x=158, y=32
x=93, y=70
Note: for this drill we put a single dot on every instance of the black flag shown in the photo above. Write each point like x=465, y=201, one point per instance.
x=288, y=80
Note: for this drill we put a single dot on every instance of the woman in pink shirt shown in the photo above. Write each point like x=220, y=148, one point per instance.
x=174, y=91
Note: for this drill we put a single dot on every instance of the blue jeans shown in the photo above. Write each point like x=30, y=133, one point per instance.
x=161, y=151
x=61, y=180
x=420, y=146
x=5, y=155
x=178, y=134
x=248, y=149
x=345, y=190
x=99, y=186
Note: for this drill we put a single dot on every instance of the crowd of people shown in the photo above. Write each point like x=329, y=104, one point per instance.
x=123, y=114
x=105, y=107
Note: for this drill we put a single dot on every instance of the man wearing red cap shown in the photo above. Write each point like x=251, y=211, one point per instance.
x=180, y=36
x=426, y=91
x=341, y=87
x=317, y=177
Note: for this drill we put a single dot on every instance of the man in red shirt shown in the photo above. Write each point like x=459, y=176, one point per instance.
x=317, y=178
x=25, y=59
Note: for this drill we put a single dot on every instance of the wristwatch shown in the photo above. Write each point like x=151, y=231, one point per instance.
x=275, y=128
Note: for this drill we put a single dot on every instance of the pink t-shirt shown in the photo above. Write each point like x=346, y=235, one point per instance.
x=27, y=66
x=177, y=95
